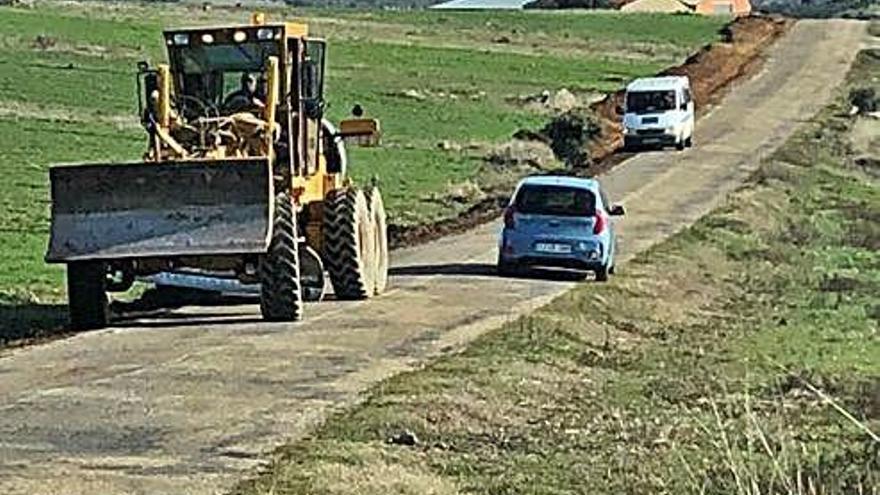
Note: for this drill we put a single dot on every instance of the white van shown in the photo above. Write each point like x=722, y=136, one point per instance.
x=659, y=111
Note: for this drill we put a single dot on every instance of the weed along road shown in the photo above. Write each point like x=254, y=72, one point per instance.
x=192, y=400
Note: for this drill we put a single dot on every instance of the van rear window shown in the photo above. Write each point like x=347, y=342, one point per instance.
x=535, y=199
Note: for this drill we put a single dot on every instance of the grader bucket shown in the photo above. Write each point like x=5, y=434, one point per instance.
x=141, y=210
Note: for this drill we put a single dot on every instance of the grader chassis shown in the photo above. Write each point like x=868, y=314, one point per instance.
x=260, y=195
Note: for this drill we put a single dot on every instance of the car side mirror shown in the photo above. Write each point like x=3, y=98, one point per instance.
x=616, y=211
x=684, y=106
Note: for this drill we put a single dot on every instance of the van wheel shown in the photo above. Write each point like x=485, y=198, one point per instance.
x=680, y=145
x=689, y=142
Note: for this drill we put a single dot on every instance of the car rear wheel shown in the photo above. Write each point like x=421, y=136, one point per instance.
x=506, y=268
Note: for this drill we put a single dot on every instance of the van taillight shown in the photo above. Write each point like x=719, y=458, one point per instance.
x=509, y=218
x=599, y=226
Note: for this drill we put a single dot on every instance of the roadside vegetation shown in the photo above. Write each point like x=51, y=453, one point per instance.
x=449, y=88
x=741, y=356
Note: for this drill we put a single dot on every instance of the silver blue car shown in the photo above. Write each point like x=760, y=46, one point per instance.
x=558, y=221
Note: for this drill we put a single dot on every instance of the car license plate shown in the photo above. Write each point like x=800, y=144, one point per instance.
x=550, y=247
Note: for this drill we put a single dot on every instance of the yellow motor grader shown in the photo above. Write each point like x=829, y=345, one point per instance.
x=240, y=180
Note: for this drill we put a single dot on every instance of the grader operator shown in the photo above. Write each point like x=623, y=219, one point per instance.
x=252, y=187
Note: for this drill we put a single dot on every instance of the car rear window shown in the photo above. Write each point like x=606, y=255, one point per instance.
x=555, y=200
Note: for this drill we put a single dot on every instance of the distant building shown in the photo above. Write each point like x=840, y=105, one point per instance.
x=660, y=6
x=481, y=5
x=724, y=7
x=705, y=7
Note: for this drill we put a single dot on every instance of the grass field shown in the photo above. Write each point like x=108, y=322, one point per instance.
x=739, y=357
x=67, y=93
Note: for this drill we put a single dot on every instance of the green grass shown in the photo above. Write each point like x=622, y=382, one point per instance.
x=29, y=146
x=403, y=173
x=694, y=371
x=656, y=29
x=432, y=70
x=68, y=101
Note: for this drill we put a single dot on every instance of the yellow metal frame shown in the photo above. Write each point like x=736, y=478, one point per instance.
x=270, y=109
x=309, y=189
x=164, y=95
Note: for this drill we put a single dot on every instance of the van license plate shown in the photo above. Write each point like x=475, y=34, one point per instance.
x=549, y=247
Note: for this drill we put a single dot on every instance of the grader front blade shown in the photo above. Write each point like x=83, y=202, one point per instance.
x=141, y=210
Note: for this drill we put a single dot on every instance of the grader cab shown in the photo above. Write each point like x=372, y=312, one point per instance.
x=243, y=177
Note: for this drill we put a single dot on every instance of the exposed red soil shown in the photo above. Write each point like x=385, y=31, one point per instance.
x=711, y=71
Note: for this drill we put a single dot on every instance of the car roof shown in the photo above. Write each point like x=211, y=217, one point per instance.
x=561, y=180
x=658, y=83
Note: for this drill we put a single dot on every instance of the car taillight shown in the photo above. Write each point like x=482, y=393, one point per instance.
x=509, y=218
x=599, y=226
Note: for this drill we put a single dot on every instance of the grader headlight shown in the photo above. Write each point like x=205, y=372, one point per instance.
x=180, y=39
x=264, y=34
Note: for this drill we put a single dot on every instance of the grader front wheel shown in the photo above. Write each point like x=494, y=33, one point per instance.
x=350, y=245
x=280, y=289
x=87, y=296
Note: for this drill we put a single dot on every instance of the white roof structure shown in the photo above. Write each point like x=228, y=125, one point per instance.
x=658, y=83
x=662, y=6
x=481, y=5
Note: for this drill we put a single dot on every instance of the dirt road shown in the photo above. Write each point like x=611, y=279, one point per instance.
x=191, y=401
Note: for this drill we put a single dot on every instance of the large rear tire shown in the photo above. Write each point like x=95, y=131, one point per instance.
x=349, y=244
x=380, y=236
x=87, y=295
x=280, y=289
